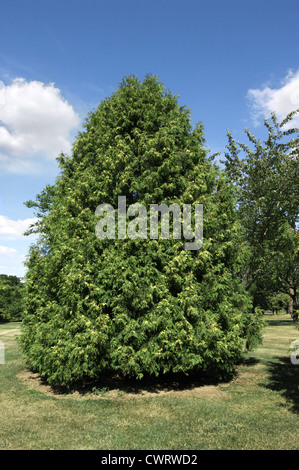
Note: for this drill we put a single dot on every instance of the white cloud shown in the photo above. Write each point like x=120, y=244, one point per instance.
x=14, y=228
x=35, y=121
x=6, y=251
x=281, y=100
x=12, y=262
x=14, y=245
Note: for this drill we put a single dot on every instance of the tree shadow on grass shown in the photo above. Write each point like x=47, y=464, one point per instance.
x=284, y=378
x=116, y=385
x=249, y=361
x=278, y=322
x=171, y=382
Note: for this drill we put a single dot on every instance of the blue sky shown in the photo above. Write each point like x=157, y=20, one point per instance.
x=232, y=62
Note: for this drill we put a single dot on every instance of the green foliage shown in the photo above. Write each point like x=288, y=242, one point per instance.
x=135, y=306
x=266, y=182
x=11, y=298
x=278, y=302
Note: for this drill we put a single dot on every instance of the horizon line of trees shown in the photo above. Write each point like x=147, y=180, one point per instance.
x=11, y=298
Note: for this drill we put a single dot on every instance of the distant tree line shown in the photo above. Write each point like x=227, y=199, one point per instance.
x=11, y=298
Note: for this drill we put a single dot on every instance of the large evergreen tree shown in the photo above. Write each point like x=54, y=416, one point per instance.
x=135, y=306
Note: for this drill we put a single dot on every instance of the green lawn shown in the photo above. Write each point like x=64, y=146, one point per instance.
x=258, y=409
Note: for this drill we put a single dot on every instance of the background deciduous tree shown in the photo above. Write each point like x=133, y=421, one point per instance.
x=266, y=179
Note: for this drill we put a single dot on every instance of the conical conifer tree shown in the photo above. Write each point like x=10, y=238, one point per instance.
x=135, y=305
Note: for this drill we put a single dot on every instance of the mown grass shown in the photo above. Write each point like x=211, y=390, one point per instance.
x=258, y=409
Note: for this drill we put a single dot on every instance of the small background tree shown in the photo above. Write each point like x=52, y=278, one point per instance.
x=11, y=298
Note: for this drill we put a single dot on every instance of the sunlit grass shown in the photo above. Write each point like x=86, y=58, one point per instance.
x=258, y=409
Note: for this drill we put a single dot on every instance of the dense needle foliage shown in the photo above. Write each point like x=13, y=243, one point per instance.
x=135, y=306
